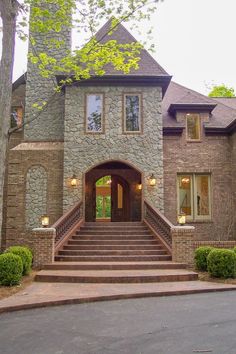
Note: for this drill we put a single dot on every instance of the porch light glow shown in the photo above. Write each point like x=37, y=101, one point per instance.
x=182, y=218
x=185, y=180
x=108, y=181
x=139, y=186
x=152, y=180
x=45, y=220
x=73, y=181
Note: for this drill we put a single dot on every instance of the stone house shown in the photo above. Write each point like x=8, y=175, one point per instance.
x=115, y=142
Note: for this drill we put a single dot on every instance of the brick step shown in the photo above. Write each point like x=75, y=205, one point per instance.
x=112, y=252
x=115, y=224
x=114, y=228
x=116, y=276
x=112, y=247
x=113, y=232
x=112, y=258
x=112, y=237
x=145, y=242
x=114, y=265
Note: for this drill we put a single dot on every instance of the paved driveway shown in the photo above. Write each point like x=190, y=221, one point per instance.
x=201, y=323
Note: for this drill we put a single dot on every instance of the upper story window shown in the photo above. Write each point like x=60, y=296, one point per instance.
x=94, y=113
x=194, y=198
x=193, y=127
x=132, y=113
x=16, y=117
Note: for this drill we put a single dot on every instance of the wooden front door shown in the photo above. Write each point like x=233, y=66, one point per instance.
x=119, y=199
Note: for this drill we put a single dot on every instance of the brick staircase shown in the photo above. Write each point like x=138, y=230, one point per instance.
x=114, y=253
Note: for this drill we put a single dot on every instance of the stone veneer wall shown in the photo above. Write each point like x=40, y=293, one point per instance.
x=49, y=124
x=211, y=155
x=36, y=196
x=23, y=158
x=84, y=151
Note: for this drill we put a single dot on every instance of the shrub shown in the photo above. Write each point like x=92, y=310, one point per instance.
x=25, y=255
x=201, y=254
x=11, y=268
x=221, y=263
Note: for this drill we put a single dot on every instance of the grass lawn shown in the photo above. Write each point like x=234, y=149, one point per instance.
x=6, y=291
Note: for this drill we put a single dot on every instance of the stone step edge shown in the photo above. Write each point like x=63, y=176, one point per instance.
x=110, y=297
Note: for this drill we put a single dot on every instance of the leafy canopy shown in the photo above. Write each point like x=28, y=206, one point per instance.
x=221, y=91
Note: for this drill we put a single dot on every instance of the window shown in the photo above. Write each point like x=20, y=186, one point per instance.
x=193, y=129
x=194, y=196
x=132, y=113
x=16, y=117
x=94, y=113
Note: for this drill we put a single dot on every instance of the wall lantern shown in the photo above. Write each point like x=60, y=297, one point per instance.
x=73, y=181
x=152, y=180
x=45, y=220
x=139, y=186
x=182, y=218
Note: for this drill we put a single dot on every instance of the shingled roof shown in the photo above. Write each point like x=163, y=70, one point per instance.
x=221, y=115
x=147, y=64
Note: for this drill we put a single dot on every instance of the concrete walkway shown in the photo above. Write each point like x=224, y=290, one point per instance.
x=51, y=294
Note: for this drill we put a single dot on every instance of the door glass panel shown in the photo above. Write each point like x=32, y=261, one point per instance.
x=185, y=194
x=119, y=196
x=202, y=187
x=103, y=198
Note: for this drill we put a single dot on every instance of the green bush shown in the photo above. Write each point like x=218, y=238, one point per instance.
x=11, y=268
x=221, y=263
x=25, y=255
x=200, y=258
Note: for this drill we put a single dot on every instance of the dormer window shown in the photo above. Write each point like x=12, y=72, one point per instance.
x=193, y=127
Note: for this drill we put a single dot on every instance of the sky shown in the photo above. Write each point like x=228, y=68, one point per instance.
x=194, y=40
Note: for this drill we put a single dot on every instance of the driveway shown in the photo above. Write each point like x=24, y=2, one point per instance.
x=200, y=323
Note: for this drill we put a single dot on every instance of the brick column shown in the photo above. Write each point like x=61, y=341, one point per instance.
x=43, y=246
x=182, y=244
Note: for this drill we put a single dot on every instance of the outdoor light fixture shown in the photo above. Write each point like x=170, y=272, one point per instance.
x=45, y=220
x=152, y=180
x=182, y=218
x=73, y=181
x=139, y=186
x=108, y=182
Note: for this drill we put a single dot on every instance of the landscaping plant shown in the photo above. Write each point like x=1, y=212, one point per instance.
x=200, y=258
x=11, y=268
x=26, y=257
x=221, y=263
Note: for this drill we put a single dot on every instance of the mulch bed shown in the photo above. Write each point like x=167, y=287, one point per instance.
x=6, y=291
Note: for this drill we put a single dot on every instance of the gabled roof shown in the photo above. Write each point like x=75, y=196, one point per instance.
x=147, y=64
x=222, y=116
x=228, y=101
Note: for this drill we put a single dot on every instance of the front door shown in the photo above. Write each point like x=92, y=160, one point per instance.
x=119, y=199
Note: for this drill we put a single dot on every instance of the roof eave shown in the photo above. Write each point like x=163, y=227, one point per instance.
x=191, y=107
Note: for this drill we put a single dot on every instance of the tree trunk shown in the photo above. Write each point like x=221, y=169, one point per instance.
x=8, y=13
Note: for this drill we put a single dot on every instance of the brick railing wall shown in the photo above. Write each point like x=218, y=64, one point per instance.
x=182, y=244
x=43, y=246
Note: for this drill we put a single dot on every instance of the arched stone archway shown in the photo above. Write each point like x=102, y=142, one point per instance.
x=125, y=180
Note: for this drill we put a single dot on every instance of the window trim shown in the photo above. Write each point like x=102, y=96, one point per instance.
x=199, y=124
x=194, y=217
x=102, y=112
x=140, y=131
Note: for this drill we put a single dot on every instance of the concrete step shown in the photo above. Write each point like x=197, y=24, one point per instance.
x=114, y=224
x=114, y=265
x=111, y=252
x=112, y=237
x=113, y=232
x=142, y=258
x=116, y=276
x=73, y=247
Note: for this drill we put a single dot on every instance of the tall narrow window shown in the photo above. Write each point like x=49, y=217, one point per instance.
x=193, y=128
x=94, y=113
x=132, y=113
x=16, y=117
x=194, y=196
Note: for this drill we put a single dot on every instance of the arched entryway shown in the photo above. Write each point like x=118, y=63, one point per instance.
x=113, y=193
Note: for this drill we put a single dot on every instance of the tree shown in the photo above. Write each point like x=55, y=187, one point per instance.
x=52, y=17
x=221, y=91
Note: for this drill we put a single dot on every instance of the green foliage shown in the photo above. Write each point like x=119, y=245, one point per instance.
x=11, y=268
x=200, y=257
x=221, y=263
x=26, y=257
x=221, y=91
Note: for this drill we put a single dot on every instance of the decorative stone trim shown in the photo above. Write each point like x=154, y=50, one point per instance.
x=43, y=240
